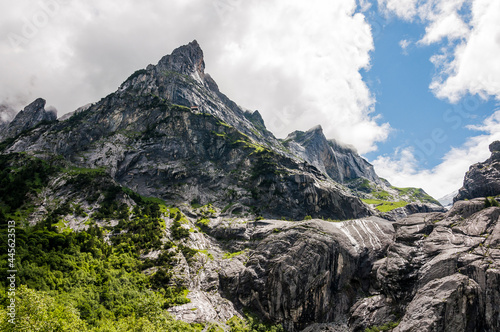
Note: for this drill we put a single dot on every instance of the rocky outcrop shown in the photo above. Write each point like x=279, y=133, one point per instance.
x=437, y=272
x=441, y=273
x=412, y=208
x=342, y=164
x=338, y=161
x=298, y=273
x=32, y=115
x=482, y=179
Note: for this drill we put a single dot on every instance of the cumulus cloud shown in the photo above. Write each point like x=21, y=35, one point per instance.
x=297, y=62
x=404, y=44
x=449, y=25
x=468, y=33
x=468, y=62
x=402, y=167
x=474, y=67
x=303, y=66
x=406, y=9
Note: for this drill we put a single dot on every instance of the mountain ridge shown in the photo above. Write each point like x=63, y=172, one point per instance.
x=179, y=79
x=167, y=195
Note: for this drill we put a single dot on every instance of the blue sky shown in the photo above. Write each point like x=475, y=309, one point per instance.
x=400, y=80
x=422, y=114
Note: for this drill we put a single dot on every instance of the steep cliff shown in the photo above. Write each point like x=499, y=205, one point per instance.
x=441, y=273
x=340, y=162
x=33, y=115
x=482, y=179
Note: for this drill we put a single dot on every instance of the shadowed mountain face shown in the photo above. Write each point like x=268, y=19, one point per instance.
x=169, y=132
x=210, y=202
x=339, y=162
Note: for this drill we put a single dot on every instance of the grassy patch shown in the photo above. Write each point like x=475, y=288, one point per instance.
x=381, y=194
x=384, y=206
x=203, y=222
x=230, y=255
x=417, y=194
x=62, y=227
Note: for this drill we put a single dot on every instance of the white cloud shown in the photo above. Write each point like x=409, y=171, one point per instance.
x=449, y=26
x=406, y=9
x=474, y=67
x=468, y=62
x=302, y=69
x=404, y=44
x=297, y=62
x=401, y=169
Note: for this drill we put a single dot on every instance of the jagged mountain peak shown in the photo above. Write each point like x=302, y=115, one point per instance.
x=482, y=179
x=315, y=129
x=187, y=59
x=180, y=78
x=256, y=119
x=339, y=161
x=494, y=147
x=315, y=133
x=341, y=146
x=29, y=117
x=35, y=106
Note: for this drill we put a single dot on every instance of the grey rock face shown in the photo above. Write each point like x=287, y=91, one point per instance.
x=482, y=179
x=181, y=79
x=170, y=152
x=30, y=117
x=445, y=304
x=305, y=272
x=495, y=147
x=440, y=273
x=410, y=209
x=339, y=162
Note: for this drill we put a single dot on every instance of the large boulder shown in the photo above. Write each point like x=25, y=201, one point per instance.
x=482, y=179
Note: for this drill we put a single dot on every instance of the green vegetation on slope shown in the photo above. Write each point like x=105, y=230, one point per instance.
x=417, y=194
x=77, y=281
x=385, y=206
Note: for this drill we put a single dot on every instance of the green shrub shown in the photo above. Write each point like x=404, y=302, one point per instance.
x=178, y=232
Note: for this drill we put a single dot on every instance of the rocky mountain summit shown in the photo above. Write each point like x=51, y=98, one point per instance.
x=168, y=132
x=340, y=162
x=482, y=179
x=33, y=115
